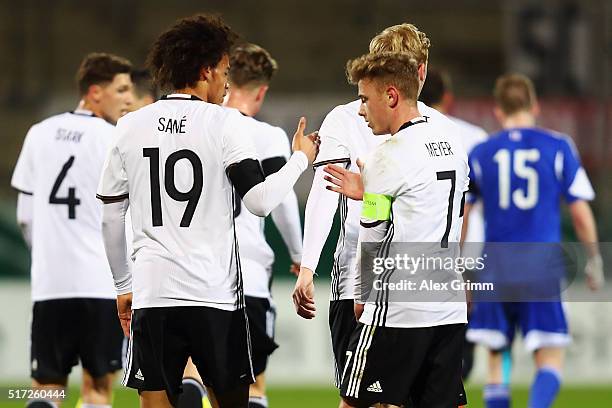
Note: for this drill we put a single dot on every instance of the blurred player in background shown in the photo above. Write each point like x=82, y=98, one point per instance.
x=521, y=174
x=437, y=93
x=177, y=163
x=251, y=70
x=145, y=91
x=345, y=137
x=74, y=314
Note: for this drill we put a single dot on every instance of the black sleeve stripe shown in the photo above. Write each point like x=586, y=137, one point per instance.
x=23, y=192
x=245, y=175
x=473, y=188
x=332, y=161
x=371, y=224
x=112, y=199
x=273, y=164
x=462, y=208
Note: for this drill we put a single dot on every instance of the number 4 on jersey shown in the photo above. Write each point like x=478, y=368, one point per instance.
x=71, y=200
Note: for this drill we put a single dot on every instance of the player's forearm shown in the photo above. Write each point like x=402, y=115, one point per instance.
x=286, y=217
x=263, y=197
x=584, y=225
x=320, y=209
x=24, y=216
x=113, y=232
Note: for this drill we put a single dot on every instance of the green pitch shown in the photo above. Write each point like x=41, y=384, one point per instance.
x=570, y=397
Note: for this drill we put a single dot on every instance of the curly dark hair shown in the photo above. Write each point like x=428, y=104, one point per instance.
x=192, y=43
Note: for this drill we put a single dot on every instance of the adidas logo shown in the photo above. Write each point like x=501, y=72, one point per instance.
x=375, y=387
x=139, y=375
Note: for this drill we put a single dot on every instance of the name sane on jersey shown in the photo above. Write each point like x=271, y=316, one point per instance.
x=170, y=125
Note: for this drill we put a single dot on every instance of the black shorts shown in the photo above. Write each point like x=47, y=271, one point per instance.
x=416, y=367
x=65, y=331
x=342, y=324
x=262, y=316
x=163, y=338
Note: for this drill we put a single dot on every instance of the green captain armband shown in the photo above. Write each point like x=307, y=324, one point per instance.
x=376, y=206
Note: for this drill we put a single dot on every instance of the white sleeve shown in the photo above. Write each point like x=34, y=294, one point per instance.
x=24, y=175
x=113, y=232
x=24, y=216
x=265, y=196
x=322, y=203
x=237, y=144
x=113, y=184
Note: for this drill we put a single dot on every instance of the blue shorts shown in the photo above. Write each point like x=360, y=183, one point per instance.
x=542, y=324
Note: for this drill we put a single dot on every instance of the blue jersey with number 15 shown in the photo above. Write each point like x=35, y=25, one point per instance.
x=521, y=175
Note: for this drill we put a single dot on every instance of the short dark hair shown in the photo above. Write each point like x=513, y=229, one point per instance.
x=143, y=84
x=99, y=68
x=514, y=93
x=436, y=85
x=192, y=43
x=250, y=64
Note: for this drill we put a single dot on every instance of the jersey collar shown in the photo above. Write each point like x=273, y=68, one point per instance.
x=179, y=96
x=415, y=121
x=83, y=112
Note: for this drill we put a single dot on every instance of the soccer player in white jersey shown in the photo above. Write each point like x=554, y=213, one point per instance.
x=251, y=70
x=437, y=93
x=74, y=314
x=177, y=163
x=345, y=137
x=413, y=193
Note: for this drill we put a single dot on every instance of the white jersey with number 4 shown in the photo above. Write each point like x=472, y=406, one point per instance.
x=60, y=165
x=170, y=159
x=423, y=171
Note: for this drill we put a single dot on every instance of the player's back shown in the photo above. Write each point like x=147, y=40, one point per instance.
x=522, y=174
x=60, y=165
x=256, y=256
x=175, y=155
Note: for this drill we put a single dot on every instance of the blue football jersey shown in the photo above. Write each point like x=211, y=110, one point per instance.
x=521, y=175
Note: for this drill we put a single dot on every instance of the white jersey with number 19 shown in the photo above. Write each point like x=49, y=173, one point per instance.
x=60, y=165
x=170, y=158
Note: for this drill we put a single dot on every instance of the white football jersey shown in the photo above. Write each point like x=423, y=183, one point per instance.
x=471, y=136
x=345, y=137
x=423, y=168
x=170, y=159
x=256, y=256
x=60, y=164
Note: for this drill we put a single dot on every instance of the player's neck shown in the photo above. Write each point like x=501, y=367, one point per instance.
x=519, y=120
x=244, y=101
x=86, y=104
x=404, y=114
x=440, y=108
x=200, y=91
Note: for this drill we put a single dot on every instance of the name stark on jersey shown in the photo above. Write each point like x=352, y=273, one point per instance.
x=437, y=149
x=66, y=135
x=172, y=125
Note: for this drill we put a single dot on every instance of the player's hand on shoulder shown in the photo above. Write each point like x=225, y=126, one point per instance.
x=344, y=181
x=309, y=144
x=594, y=271
x=303, y=294
x=124, y=311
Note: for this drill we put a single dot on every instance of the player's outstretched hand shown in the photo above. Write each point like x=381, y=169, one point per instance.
x=303, y=294
x=344, y=182
x=308, y=144
x=124, y=310
x=595, y=272
x=294, y=269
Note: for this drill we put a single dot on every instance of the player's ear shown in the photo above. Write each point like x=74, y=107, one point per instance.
x=205, y=73
x=392, y=96
x=261, y=93
x=94, y=92
x=499, y=114
x=422, y=70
